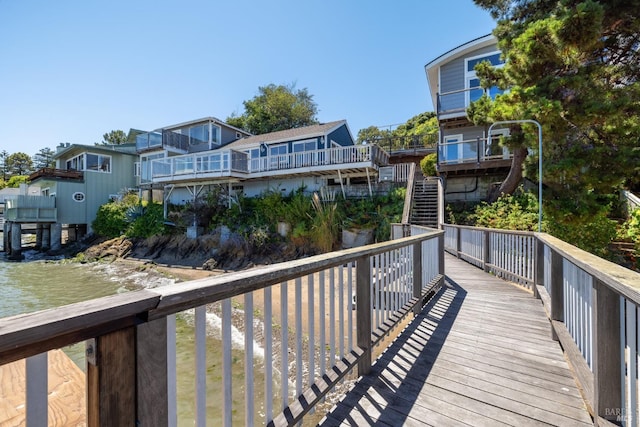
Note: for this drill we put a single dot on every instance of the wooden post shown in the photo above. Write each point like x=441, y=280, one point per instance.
x=152, y=385
x=111, y=380
x=417, y=276
x=557, y=292
x=363, y=312
x=441, y=256
x=606, y=352
x=16, y=241
x=538, y=279
x=485, y=250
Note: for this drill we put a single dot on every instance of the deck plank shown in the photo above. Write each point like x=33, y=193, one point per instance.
x=478, y=354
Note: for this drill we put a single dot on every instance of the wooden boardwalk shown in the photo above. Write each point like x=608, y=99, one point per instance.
x=479, y=354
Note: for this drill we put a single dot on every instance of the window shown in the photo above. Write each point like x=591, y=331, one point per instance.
x=215, y=134
x=473, y=82
x=76, y=163
x=145, y=166
x=136, y=169
x=98, y=163
x=199, y=135
x=279, y=158
x=302, y=147
x=78, y=197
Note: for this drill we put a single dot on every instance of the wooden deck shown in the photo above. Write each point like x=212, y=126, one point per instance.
x=479, y=354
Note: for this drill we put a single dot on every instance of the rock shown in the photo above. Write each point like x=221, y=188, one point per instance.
x=210, y=264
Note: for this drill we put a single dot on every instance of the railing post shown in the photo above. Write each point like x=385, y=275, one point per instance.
x=441, y=256
x=557, y=290
x=538, y=279
x=111, y=379
x=458, y=241
x=606, y=352
x=485, y=250
x=363, y=312
x=152, y=385
x=417, y=275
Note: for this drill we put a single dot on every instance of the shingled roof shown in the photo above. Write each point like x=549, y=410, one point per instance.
x=287, y=135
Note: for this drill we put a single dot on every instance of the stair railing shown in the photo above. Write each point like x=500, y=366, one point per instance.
x=408, y=198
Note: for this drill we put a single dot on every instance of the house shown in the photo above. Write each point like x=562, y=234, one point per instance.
x=85, y=177
x=470, y=163
x=186, y=160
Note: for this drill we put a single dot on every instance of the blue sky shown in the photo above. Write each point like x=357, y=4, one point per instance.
x=72, y=70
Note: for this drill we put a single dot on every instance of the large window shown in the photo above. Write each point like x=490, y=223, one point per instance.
x=279, y=157
x=473, y=82
x=145, y=166
x=90, y=162
x=207, y=133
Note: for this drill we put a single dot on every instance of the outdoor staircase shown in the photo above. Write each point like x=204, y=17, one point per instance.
x=424, y=205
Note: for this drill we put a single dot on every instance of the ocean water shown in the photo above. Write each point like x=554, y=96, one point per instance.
x=36, y=284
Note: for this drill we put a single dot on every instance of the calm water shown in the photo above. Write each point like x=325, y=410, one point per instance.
x=36, y=285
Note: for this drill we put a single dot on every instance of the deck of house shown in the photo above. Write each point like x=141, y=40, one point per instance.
x=480, y=353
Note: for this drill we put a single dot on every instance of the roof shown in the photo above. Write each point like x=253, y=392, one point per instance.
x=204, y=119
x=101, y=149
x=432, y=67
x=288, y=134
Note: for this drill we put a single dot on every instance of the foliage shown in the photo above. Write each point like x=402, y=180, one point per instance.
x=276, y=107
x=115, y=137
x=630, y=231
x=19, y=164
x=517, y=211
x=326, y=225
x=129, y=216
x=592, y=233
x=573, y=66
x=149, y=221
x=4, y=155
x=377, y=213
x=44, y=158
x=421, y=130
x=16, y=180
x=428, y=165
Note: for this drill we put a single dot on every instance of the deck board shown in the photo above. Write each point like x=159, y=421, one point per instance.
x=479, y=354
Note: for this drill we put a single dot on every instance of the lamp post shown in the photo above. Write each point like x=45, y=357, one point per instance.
x=539, y=160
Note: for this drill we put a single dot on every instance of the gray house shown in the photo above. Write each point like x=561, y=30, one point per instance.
x=85, y=177
x=469, y=162
x=186, y=160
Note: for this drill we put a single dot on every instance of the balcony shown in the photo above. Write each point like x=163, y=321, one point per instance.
x=57, y=174
x=472, y=154
x=230, y=163
x=30, y=209
x=166, y=140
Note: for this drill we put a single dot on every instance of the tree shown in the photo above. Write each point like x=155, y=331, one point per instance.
x=115, y=137
x=421, y=129
x=574, y=66
x=4, y=154
x=19, y=164
x=16, y=180
x=373, y=135
x=276, y=108
x=43, y=158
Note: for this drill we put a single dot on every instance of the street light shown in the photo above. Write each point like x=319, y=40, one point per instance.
x=539, y=160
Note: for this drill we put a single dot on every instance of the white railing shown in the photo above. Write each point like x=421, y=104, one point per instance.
x=202, y=164
x=277, y=338
x=592, y=304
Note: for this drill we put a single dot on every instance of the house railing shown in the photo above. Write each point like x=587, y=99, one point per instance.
x=471, y=151
x=206, y=163
x=333, y=156
x=314, y=320
x=593, y=306
x=23, y=208
x=56, y=174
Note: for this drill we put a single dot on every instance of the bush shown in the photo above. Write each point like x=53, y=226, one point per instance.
x=428, y=165
x=149, y=222
x=518, y=211
x=129, y=217
x=111, y=220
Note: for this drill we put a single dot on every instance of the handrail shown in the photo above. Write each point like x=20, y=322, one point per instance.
x=408, y=198
x=593, y=305
x=390, y=279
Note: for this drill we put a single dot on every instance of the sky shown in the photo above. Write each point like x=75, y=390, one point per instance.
x=73, y=70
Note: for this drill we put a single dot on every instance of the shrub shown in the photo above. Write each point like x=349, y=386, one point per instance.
x=111, y=220
x=518, y=211
x=428, y=165
x=149, y=222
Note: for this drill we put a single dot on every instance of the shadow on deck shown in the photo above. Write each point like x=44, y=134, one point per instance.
x=480, y=353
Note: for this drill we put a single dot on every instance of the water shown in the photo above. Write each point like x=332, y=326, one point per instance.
x=38, y=284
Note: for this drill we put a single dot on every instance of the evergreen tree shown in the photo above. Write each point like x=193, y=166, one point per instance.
x=43, y=159
x=19, y=164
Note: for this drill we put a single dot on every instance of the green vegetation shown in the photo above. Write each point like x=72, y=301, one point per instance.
x=130, y=217
x=314, y=220
x=421, y=130
x=428, y=165
x=276, y=107
x=518, y=211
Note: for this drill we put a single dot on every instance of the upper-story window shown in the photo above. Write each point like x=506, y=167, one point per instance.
x=472, y=81
x=90, y=162
x=207, y=133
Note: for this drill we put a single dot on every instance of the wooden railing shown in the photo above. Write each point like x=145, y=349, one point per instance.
x=318, y=317
x=56, y=174
x=593, y=306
